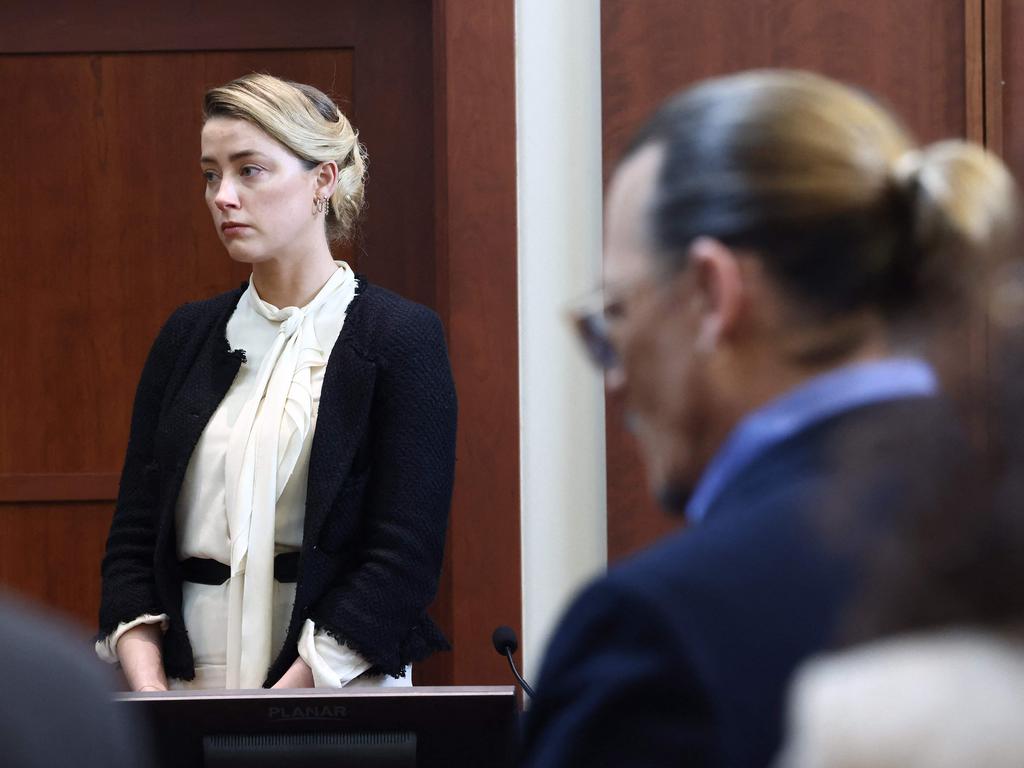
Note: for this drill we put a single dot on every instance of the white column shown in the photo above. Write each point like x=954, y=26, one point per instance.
x=558, y=127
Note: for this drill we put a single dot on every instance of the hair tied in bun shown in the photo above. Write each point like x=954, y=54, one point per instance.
x=907, y=168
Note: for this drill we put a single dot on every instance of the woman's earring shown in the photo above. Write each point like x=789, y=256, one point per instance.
x=320, y=204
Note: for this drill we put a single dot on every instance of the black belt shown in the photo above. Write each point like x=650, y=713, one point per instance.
x=200, y=570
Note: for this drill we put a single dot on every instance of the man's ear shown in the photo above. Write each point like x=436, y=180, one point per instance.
x=719, y=285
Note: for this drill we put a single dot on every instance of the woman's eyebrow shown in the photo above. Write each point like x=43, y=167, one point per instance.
x=232, y=157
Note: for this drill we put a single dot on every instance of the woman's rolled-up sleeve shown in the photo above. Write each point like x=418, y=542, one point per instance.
x=106, y=646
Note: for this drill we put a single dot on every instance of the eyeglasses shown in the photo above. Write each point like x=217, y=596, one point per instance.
x=595, y=315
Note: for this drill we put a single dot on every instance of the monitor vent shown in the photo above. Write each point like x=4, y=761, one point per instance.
x=308, y=750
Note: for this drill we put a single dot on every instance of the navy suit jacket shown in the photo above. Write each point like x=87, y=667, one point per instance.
x=682, y=655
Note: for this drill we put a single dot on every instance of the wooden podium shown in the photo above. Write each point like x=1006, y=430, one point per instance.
x=370, y=727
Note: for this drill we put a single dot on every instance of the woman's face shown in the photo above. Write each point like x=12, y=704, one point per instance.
x=259, y=194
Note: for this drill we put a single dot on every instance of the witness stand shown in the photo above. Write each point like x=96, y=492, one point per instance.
x=309, y=728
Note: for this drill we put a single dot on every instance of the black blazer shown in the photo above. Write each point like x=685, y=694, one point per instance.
x=380, y=480
x=682, y=655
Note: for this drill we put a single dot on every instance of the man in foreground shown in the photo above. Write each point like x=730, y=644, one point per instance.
x=768, y=238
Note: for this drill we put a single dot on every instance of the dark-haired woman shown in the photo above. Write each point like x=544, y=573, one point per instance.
x=284, y=499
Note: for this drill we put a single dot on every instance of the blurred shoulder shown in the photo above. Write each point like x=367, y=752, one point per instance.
x=956, y=693
x=32, y=639
x=634, y=600
x=58, y=707
x=617, y=687
x=693, y=555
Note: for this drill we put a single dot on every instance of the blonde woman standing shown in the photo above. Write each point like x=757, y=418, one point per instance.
x=284, y=498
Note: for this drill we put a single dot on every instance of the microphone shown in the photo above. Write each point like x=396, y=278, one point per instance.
x=505, y=643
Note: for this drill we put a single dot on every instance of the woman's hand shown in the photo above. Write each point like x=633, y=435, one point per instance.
x=138, y=650
x=299, y=675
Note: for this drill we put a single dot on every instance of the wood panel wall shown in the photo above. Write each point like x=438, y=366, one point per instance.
x=105, y=231
x=476, y=245
x=917, y=55
x=1006, y=89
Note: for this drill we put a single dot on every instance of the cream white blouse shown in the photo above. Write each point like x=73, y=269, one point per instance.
x=244, y=495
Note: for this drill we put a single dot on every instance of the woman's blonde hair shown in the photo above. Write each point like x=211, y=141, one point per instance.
x=828, y=189
x=310, y=125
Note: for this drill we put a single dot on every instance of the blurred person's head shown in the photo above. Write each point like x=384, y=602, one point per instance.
x=57, y=706
x=766, y=227
x=954, y=553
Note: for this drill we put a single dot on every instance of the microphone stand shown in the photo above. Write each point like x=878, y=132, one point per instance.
x=526, y=687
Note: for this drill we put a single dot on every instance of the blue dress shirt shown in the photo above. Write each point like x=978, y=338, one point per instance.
x=820, y=398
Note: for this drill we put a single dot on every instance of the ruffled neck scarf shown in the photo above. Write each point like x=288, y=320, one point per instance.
x=262, y=452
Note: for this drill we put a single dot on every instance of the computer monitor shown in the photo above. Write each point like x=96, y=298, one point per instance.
x=369, y=727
